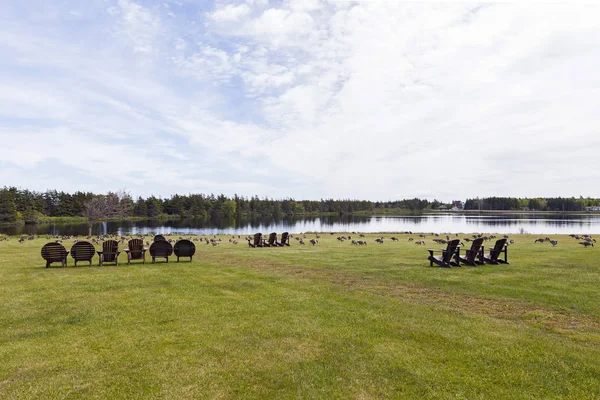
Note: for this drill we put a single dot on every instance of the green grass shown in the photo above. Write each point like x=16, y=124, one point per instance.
x=325, y=321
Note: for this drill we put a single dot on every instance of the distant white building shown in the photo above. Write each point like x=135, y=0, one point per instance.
x=593, y=208
x=457, y=205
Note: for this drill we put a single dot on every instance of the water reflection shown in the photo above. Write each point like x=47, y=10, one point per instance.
x=438, y=222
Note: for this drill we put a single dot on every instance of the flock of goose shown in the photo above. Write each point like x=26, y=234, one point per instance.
x=584, y=240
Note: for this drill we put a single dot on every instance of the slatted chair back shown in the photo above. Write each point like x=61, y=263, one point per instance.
x=136, y=250
x=161, y=249
x=450, y=250
x=285, y=239
x=474, y=255
x=272, y=241
x=159, y=237
x=110, y=252
x=499, y=247
x=83, y=251
x=184, y=248
x=257, y=241
x=54, y=252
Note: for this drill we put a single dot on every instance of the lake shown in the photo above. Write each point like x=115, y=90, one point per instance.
x=560, y=223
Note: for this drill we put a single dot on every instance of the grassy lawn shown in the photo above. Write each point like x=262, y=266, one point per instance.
x=325, y=321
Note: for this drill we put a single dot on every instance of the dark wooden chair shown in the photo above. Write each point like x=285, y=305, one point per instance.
x=493, y=257
x=449, y=256
x=54, y=252
x=83, y=251
x=473, y=256
x=160, y=249
x=271, y=241
x=258, y=241
x=159, y=237
x=285, y=239
x=184, y=248
x=110, y=252
x=136, y=251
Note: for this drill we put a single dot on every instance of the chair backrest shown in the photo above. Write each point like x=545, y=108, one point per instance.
x=285, y=238
x=475, y=248
x=135, y=248
x=257, y=239
x=272, y=239
x=184, y=248
x=83, y=251
x=161, y=248
x=450, y=250
x=53, y=252
x=498, y=247
x=110, y=248
x=159, y=237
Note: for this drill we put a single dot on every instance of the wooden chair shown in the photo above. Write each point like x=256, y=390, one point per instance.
x=54, y=252
x=184, y=248
x=136, y=251
x=258, y=241
x=493, y=257
x=474, y=256
x=110, y=252
x=285, y=239
x=271, y=241
x=159, y=237
x=445, y=259
x=160, y=249
x=83, y=251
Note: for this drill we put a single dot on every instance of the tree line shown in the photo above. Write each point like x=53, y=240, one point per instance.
x=31, y=207
x=533, y=204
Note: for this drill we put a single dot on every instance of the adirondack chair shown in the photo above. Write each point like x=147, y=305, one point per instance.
x=184, y=248
x=258, y=241
x=54, y=252
x=83, y=251
x=160, y=249
x=159, y=237
x=271, y=241
x=136, y=251
x=493, y=257
x=474, y=256
x=110, y=252
x=445, y=259
x=285, y=239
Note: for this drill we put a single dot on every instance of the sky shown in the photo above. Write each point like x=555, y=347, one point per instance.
x=303, y=99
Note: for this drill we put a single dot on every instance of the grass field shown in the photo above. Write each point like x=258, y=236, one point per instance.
x=325, y=321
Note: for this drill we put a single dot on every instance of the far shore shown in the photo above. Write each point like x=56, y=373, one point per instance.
x=375, y=213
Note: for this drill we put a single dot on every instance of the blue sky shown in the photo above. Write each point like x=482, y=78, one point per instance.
x=306, y=99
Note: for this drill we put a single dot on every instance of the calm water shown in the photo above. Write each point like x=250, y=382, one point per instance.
x=438, y=222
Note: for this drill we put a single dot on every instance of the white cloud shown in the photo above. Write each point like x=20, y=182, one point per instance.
x=346, y=99
x=139, y=25
x=230, y=13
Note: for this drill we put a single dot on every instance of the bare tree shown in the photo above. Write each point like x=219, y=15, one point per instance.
x=102, y=207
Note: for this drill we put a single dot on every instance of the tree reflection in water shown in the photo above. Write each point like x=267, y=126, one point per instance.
x=566, y=223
